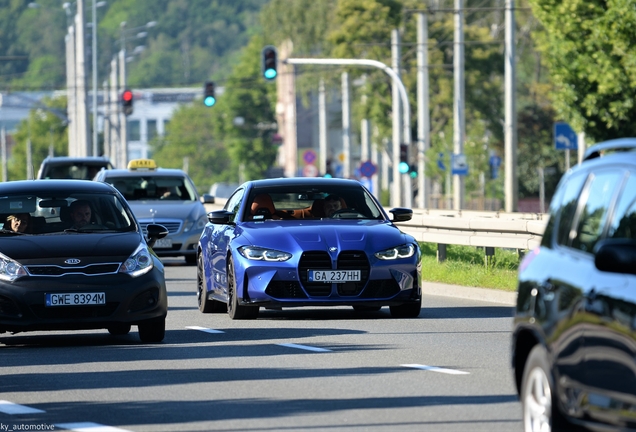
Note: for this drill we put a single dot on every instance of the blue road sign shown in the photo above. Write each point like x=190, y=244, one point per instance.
x=367, y=169
x=440, y=162
x=459, y=164
x=564, y=137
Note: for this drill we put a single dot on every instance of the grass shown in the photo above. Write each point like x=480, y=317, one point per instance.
x=465, y=265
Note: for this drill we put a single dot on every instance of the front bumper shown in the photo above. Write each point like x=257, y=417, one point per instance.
x=128, y=301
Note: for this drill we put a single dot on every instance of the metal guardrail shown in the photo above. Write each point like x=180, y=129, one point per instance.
x=521, y=231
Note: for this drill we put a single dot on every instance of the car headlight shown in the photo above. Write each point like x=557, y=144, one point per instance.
x=262, y=254
x=140, y=262
x=10, y=270
x=404, y=251
x=197, y=224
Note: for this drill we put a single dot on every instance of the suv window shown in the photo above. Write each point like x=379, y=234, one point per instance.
x=568, y=207
x=591, y=221
x=623, y=223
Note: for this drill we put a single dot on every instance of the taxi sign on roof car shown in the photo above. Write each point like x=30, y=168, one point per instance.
x=142, y=164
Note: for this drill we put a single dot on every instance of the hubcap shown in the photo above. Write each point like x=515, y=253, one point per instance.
x=537, y=406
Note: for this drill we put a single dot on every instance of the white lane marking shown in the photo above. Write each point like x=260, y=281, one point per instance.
x=13, y=408
x=436, y=369
x=89, y=427
x=204, y=329
x=304, y=347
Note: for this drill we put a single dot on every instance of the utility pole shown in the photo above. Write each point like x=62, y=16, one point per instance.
x=346, y=127
x=396, y=194
x=83, y=137
x=3, y=147
x=123, y=123
x=71, y=91
x=423, y=113
x=459, y=121
x=510, y=132
x=114, y=116
x=322, y=127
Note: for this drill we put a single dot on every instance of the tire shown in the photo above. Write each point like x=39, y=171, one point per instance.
x=362, y=309
x=407, y=310
x=205, y=304
x=119, y=329
x=152, y=331
x=234, y=310
x=538, y=395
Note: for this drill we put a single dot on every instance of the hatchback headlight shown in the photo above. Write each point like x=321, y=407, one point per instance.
x=10, y=270
x=139, y=263
x=262, y=254
x=404, y=251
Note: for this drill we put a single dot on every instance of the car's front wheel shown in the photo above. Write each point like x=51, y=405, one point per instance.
x=234, y=309
x=152, y=331
x=538, y=395
x=406, y=310
x=205, y=304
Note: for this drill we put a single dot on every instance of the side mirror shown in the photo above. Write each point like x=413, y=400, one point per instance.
x=220, y=216
x=616, y=256
x=401, y=214
x=207, y=199
x=155, y=232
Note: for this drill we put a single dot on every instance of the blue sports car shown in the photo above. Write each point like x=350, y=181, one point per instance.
x=293, y=242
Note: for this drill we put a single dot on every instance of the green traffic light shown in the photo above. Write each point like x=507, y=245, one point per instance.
x=403, y=167
x=209, y=101
x=270, y=73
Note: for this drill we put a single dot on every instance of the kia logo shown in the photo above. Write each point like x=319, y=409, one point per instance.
x=72, y=261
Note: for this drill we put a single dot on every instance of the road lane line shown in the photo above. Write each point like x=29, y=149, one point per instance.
x=13, y=408
x=304, y=347
x=89, y=427
x=436, y=369
x=204, y=329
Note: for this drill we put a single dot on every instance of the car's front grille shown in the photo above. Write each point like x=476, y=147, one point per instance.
x=285, y=290
x=353, y=260
x=173, y=226
x=317, y=260
x=91, y=269
x=71, y=312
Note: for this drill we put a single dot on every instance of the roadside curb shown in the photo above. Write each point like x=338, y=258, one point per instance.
x=471, y=293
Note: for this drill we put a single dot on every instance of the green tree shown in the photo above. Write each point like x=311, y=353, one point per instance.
x=190, y=135
x=47, y=131
x=588, y=48
x=253, y=99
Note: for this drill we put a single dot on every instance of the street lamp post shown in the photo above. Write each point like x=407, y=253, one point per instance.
x=96, y=5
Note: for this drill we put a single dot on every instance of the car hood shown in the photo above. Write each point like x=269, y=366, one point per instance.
x=370, y=235
x=70, y=245
x=166, y=209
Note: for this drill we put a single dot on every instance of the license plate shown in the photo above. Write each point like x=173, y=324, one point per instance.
x=75, y=299
x=334, y=276
x=164, y=243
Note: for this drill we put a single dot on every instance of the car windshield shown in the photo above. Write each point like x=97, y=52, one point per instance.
x=74, y=170
x=152, y=187
x=57, y=212
x=295, y=203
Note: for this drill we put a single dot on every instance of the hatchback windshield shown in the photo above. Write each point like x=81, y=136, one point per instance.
x=58, y=212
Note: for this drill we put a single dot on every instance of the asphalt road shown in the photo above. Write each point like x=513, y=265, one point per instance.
x=327, y=369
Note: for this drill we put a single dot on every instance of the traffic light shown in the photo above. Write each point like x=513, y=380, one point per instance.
x=329, y=169
x=208, y=94
x=269, y=62
x=413, y=171
x=127, y=102
x=404, y=159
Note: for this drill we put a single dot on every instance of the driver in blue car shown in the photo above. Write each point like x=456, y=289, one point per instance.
x=333, y=203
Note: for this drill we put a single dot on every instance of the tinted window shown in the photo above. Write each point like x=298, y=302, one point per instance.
x=134, y=130
x=147, y=187
x=593, y=215
x=567, y=209
x=623, y=223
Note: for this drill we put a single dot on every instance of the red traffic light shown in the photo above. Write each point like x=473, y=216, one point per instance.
x=127, y=96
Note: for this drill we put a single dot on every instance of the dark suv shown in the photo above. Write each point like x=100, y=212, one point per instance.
x=68, y=167
x=574, y=338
